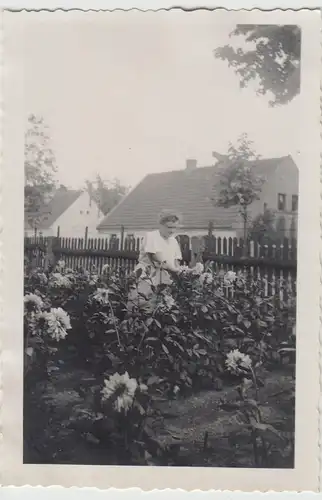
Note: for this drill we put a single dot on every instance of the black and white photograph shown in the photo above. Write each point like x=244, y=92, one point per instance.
x=163, y=191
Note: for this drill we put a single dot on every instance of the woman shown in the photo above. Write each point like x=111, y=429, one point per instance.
x=159, y=258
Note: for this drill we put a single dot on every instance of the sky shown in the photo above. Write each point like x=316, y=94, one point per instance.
x=124, y=98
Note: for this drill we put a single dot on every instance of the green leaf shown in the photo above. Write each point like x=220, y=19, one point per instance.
x=203, y=352
x=178, y=345
x=154, y=380
x=149, y=321
x=166, y=350
x=140, y=408
x=247, y=324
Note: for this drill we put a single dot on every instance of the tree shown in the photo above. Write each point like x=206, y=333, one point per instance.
x=106, y=194
x=239, y=184
x=40, y=167
x=271, y=54
x=263, y=227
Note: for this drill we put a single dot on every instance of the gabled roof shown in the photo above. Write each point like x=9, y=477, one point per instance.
x=188, y=191
x=61, y=201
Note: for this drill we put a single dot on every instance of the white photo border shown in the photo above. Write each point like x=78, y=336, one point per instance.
x=305, y=475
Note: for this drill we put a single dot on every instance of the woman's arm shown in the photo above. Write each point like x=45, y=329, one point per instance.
x=157, y=262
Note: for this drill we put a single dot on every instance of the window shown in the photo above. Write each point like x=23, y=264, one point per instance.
x=87, y=212
x=81, y=211
x=265, y=208
x=295, y=202
x=281, y=201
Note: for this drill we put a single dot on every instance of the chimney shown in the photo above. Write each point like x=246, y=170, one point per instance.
x=191, y=164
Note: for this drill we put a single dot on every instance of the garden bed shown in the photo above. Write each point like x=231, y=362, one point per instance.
x=51, y=406
x=203, y=376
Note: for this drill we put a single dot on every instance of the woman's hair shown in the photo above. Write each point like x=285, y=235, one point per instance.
x=169, y=216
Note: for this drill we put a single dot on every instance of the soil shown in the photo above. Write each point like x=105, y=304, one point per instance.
x=205, y=434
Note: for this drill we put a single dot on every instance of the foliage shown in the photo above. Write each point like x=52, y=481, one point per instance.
x=264, y=227
x=269, y=54
x=43, y=327
x=266, y=439
x=239, y=184
x=106, y=194
x=174, y=343
x=40, y=167
x=185, y=329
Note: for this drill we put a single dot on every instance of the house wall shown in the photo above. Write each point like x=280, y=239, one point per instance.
x=81, y=214
x=284, y=180
x=41, y=232
x=73, y=222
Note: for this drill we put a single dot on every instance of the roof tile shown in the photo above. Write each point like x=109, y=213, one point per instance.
x=187, y=191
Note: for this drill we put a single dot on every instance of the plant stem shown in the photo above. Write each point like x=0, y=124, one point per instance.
x=115, y=326
x=255, y=383
x=255, y=448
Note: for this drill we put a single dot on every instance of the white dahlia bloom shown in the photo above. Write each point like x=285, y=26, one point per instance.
x=229, y=278
x=105, y=268
x=238, y=362
x=32, y=302
x=101, y=295
x=57, y=322
x=59, y=281
x=123, y=388
x=199, y=268
x=206, y=278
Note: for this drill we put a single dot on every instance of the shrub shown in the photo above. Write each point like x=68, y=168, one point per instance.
x=183, y=333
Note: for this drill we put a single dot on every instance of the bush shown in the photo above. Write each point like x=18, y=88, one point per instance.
x=183, y=333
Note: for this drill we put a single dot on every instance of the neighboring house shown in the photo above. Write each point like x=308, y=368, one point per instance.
x=68, y=214
x=190, y=192
x=279, y=193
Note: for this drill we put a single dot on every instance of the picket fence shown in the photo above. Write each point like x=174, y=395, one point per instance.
x=272, y=261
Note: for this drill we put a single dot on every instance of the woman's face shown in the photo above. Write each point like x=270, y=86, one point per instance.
x=167, y=229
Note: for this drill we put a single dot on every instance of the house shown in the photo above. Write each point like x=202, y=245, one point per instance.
x=279, y=193
x=67, y=214
x=190, y=192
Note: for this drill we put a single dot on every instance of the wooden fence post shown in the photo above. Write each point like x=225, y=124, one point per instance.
x=122, y=238
x=197, y=249
x=50, y=256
